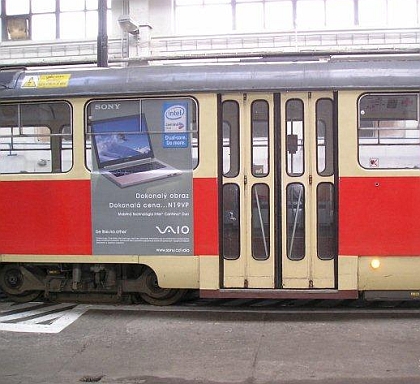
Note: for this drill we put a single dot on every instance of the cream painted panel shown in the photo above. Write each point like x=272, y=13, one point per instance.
x=348, y=273
x=174, y=272
x=207, y=122
x=209, y=272
x=394, y=273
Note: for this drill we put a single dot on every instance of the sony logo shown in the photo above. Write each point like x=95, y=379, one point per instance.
x=176, y=230
x=107, y=106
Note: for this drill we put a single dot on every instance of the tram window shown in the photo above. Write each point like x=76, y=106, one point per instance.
x=295, y=218
x=36, y=138
x=325, y=221
x=230, y=117
x=295, y=138
x=231, y=222
x=324, y=133
x=388, y=131
x=260, y=222
x=170, y=128
x=260, y=138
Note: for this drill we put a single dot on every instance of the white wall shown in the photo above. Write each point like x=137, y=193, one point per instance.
x=161, y=17
x=156, y=13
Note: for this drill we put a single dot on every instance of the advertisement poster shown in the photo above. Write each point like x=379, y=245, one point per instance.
x=142, y=201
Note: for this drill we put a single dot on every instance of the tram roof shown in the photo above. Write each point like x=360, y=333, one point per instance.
x=236, y=77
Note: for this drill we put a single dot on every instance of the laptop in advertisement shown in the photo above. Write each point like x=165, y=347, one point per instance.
x=124, y=152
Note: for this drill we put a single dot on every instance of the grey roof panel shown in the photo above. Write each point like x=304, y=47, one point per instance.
x=272, y=77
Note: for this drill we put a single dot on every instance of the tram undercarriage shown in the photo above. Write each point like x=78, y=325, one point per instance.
x=23, y=283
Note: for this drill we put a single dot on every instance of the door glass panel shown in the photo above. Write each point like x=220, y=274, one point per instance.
x=295, y=218
x=230, y=116
x=326, y=221
x=231, y=227
x=324, y=134
x=295, y=138
x=260, y=222
x=260, y=143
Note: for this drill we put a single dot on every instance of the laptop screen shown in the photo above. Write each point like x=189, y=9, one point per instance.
x=120, y=140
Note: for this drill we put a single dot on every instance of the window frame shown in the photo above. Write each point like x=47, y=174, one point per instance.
x=234, y=131
x=377, y=130
x=27, y=16
x=301, y=206
x=328, y=146
x=255, y=230
x=333, y=225
x=196, y=132
x=254, y=139
x=233, y=218
x=20, y=125
x=289, y=169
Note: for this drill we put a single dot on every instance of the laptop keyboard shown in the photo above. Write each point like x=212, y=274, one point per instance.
x=137, y=168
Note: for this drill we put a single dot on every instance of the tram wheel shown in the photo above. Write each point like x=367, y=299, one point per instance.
x=157, y=295
x=11, y=280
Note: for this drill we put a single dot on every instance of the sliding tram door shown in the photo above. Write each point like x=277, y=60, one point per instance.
x=278, y=191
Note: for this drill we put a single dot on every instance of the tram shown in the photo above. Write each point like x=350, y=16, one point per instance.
x=276, y=179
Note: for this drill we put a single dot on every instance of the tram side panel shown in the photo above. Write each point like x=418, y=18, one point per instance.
x=379, y=208
x=45, y=217
x=53, y=211
x=47, y=212
x=43, y=211
x=53, y=217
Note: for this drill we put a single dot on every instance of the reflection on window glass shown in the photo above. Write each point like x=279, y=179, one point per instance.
x=230, y=117
x=231, y=223
x=389, y=133
x=325, y=139
x=295, y=138
x=260, y=138
x=35, y=138
x=326, y=221
x=295, y=219
x=260, y=222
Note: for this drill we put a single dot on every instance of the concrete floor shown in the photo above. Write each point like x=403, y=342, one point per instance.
x=141, y=344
